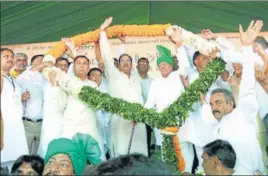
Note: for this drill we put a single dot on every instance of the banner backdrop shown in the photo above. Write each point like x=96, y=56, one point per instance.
x=137, y=47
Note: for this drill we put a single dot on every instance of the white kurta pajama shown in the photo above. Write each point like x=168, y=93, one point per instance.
x=78, y=117
x=239, y=127
x=52, y=124
x=121, y=86
x=15, y=142
x=162, y=93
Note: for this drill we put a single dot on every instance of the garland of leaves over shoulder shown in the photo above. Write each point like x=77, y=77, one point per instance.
x=174, y=115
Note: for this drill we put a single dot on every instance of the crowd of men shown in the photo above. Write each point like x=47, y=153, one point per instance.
x=46, y=129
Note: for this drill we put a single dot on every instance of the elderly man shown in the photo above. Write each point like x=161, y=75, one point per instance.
x=11, y=108
x=237, y=124
x=70, y=156
x=122, y=85
x=219, y=158
x=165, y=89
x=21, y=62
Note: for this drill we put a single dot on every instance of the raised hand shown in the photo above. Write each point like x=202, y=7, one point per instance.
x=106, y=23
x=247, y=38
x=69, y=43
x=81, y=51
x=176, y=36
x=207, y=34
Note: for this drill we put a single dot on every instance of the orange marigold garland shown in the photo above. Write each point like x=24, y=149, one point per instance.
x=114, y=31
x=172, y=131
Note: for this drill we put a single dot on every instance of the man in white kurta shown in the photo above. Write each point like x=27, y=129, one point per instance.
x=164, y=90
x=120, y=85
x=239, y=126
x=15, y=142
x=77, y=116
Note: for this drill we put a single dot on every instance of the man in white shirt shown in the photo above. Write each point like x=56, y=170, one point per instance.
x=32, y=82
x=77, y=116
x=21, y=62
x=121, y=84
x=237, y=125
x=14, y=138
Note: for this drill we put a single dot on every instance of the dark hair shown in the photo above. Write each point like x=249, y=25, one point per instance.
x=228, y=95
x=37, y=163
x=94, y=69
x=122, y=55
x=196, y=54
x=133, y=164
x=81, y=56
x=7, y=49
x=35, y=57
x=143, y=59
x=223, y=150
x=62, y=59
x=261, y=40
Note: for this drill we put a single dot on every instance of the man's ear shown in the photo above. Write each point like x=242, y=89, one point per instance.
x=216, y=161
x=196, y=61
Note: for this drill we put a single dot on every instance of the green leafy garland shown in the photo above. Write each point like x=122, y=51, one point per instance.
x=174, y=115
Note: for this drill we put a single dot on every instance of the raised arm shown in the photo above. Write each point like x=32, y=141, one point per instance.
x=110, y=70
x=247, y=103
x=98, y=56
x=223, y=42
x=184, y=65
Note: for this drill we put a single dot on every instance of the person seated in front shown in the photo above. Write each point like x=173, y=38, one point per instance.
x=131, y=164
x=219, y=158
x=28, y=165
x=70, y=157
